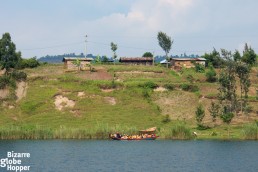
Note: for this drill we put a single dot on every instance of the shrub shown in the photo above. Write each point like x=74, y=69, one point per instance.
x=185, y=87
x=28, y=63
x=190, y=78
x=250, y=131
x=145, y=93
x=189, y=87
x=199, y=68
x=199, y=114
x=149, y=84
x=169, y=86
x=202, y=127
x=19, y=76
x=6, y=81
x=211, y=75
x=166, y=119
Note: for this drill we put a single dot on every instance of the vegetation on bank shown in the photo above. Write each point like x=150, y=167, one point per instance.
x=183, y=104
x=138, y=105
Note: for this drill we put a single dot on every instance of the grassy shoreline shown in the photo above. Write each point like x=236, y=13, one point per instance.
x=179, y=131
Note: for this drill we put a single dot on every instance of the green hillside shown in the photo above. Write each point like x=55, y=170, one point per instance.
x=58, y=104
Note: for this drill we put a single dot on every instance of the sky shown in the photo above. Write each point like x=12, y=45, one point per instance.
x=53, y=27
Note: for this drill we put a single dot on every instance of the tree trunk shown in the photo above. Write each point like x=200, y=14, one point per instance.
x=167, y=59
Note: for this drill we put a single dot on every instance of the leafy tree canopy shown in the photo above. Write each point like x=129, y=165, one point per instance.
x=113, y=48
x=8, y=55
x=165, y=42
x=147, y=54
x=214, y=58
x=249, y=55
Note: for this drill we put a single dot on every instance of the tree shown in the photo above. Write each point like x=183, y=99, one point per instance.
x=199, y=68
x=214, y=59
x=214, y=111
x=104, y=59
x=199, y=114
x=8, y=55
x=165, y=43
x=77, y=63
x=227, y=116
x=243, y=73
x=227, y=81
x=114, y=48
x=249, y=55
x=97, y=60
x=147, y=54
x=237, y=56
x=211, y=74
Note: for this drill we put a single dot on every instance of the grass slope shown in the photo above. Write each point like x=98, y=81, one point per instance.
x=136, y=106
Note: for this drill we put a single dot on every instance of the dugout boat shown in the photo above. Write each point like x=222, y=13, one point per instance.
x=148, y=134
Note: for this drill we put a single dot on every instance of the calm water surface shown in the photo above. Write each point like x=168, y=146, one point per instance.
x=84, y=155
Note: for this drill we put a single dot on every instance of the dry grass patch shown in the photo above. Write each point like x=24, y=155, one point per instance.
x=178, y=105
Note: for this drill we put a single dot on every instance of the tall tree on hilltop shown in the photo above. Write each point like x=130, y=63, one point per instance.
x=249, y=55
x=147, y=54
x=8, y=55
x=237, y=56
x=214, y=58
x=243, y=73
x=165, y=43
x=114, y=48
x=227, y=81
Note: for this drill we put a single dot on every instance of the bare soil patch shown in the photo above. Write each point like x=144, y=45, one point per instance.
x=160, y=89
x=21, y=90
x=81, y=94
x=100, y=74
x=4, y=93
x=62, y=102
x=136, y=72
x=110, y=100
x=76, y=113
x=107, y=90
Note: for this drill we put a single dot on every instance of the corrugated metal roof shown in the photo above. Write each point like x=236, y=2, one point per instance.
x=74, y=58
x=164, y=62
x=188, y=59
x=134, y=59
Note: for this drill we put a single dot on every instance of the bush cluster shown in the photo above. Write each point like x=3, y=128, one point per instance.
x=149, y=84
x=169, y=86
x=199, y=68
x=19, y=76
x=6, y=81
x=28, y=63
x=189, y=87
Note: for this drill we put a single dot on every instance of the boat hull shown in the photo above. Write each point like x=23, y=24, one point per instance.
x=148, y=138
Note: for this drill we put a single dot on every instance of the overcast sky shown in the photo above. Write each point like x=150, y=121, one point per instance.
x=51, y=27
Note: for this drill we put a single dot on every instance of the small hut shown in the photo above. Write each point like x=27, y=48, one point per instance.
x=147, y=61
x=69, y=63
x=178, y=63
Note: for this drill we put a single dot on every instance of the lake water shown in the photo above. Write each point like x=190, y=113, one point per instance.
x=85, y=155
